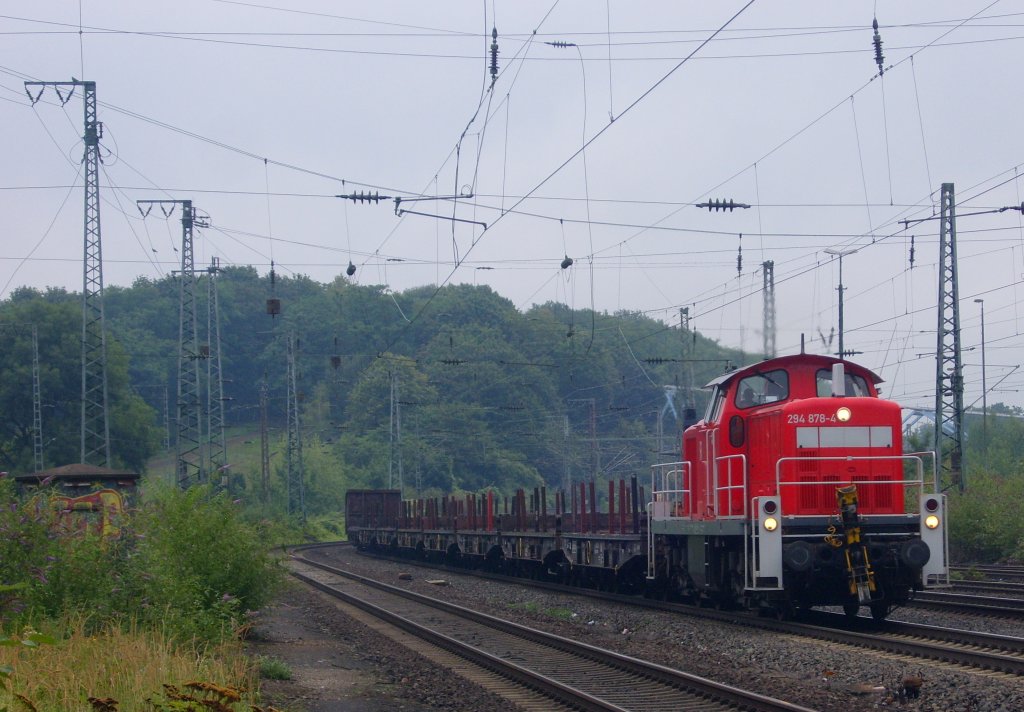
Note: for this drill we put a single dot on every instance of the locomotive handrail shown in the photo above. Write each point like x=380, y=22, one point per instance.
x=668, y=471
x=928, y=455
x=913, y=457
x=650, y=540
x=680, y=468
x=918, y=481
x=727, y=489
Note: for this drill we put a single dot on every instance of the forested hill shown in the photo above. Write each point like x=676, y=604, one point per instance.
x=483, y=394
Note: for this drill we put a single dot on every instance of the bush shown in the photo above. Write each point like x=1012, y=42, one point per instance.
x=984, y=522
x=186, y=563
x=198, y=566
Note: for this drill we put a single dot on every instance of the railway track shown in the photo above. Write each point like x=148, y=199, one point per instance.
x=984, y=605
x=992, y=572
x=971, y=649
x=999, y=588
x=570, y=673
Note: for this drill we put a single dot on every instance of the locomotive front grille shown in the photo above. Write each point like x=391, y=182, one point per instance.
x=811, y=464
x=817, y=493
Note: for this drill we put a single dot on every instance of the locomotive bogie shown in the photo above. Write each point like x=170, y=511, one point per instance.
x=612, y=562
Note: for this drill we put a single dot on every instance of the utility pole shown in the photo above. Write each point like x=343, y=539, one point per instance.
x=391, y=431
x=688, y=339
x=167, y=421
x=949, y=381
x=264, y=442
x=95, y=432
x=843, y=353
x=296, y=479
x=594, y=460
x=214, y=379
x=188, y=455
x=398, y=438
x=984, y=385
x=768, y=268
x=567, y=477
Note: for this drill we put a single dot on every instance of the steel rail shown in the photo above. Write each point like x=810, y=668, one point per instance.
x=927, y=643
x=708, y=691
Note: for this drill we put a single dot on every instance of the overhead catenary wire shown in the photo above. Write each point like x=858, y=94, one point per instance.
x=779, y=33
x=597, y=135
x=589, y=223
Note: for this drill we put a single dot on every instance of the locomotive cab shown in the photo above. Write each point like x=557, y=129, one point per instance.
x=794, y=492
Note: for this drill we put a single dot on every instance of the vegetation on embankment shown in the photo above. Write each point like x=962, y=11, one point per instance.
x=985, y=525
x=162, y=605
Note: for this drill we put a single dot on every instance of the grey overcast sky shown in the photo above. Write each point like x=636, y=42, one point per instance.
x=604, y=126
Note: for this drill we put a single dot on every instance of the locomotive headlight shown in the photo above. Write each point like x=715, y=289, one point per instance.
x=931, y=521
x=771, y=524
x=843, y=414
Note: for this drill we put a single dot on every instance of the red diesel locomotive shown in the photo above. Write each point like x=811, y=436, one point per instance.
x=792, y=492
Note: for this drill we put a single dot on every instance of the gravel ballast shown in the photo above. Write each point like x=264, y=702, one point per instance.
x=815, y=674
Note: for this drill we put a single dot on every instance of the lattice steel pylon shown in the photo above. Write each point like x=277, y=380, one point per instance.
x=296, y=479
x=189, y=468
x=768, y=269
x=214, y=380
x=95, y=431
x=949, y=381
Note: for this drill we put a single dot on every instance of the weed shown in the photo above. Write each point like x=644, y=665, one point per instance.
x=274, y=669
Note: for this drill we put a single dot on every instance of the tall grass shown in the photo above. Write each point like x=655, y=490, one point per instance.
x=128, y=663
x=161, y=605
x=186, y=562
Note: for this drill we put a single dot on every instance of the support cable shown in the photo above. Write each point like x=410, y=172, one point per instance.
x=576, y=153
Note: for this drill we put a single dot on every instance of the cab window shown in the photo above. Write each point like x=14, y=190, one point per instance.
x=714, y=410
x=855, y=385
x=762, y=389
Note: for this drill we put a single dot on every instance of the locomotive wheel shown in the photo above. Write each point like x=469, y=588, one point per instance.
x=851, y=609
x=879, y=610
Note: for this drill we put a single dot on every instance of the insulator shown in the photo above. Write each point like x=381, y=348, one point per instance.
x=911, y=251
x=567, y=262
x=739, y=257
x=716, y=205
x=34, y=99
x=879, y=57
x=494, y=54
x=351, y=269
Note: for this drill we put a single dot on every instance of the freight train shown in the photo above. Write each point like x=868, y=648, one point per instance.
x=792, y=492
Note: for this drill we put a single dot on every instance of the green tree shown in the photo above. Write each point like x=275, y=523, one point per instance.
x=58, y=326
